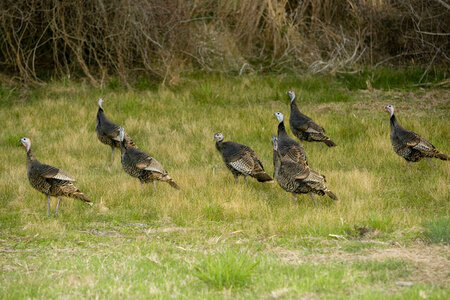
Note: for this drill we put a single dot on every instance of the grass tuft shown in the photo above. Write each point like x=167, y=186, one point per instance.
x=230, y=269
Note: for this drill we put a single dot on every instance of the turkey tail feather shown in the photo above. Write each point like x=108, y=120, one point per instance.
x=331, y=195
x=329, y=143
x=170, y=181
x=79, y=195
x=442, y=156
x=173, y=184
x=263, y=177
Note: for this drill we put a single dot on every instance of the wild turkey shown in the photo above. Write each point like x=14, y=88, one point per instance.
x=141, y=165
x=298, y=178
x=304, y=128
x=289, y=147
x=241, y=160
x=50, y=180
x=410, y=145
x=108, y=132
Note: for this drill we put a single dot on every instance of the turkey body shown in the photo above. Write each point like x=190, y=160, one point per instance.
x=108, y=132
x=52, y=181
x=297, y=178
x=304, y=128
x=411, y=146
x=139, y=164
x=241, y=160
x=49, y=180
x=289, y=147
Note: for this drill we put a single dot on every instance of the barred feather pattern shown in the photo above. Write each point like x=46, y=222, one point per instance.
x=411, y=146
x=304, y=128
x=142, y=166
x=242, y=160
x=52, y=181
x=289, y=147
x=298, y=178
x=108, y=132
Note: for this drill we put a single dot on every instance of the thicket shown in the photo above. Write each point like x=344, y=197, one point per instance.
x=162, y=39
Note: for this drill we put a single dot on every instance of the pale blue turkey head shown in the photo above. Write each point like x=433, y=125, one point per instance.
x=100, y=102
x=26, y=142
x=389, y=108
x=279, y=116
x=218, y=136
x=291, y=95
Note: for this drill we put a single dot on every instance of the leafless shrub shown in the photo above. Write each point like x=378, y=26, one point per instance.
x=162, y=39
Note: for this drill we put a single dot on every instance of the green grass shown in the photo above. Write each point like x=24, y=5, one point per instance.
x=438, y=231
x=230, y=269
x=204, y=241
x=410, y=78
x=383, y=271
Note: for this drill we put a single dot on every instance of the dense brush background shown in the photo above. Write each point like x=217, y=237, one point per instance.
x=161, y=40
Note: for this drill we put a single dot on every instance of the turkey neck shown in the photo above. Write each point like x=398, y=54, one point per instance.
x=294, y=107
x=219, y=145
x=282, y=129
x=276, y=161
x=100, y=113
x=123, y=146
x=393, y=122
x=30, y=158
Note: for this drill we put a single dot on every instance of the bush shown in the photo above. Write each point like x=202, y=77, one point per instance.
x=162, y=39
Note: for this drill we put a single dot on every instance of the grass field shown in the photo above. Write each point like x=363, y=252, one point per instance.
x=388, y=237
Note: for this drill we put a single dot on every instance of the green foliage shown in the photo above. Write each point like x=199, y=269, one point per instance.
x=229, y=269
x=438, y=230
x=114, y=84
x=145, y=83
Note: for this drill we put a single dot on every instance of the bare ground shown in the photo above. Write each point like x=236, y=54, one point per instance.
x=431, y=262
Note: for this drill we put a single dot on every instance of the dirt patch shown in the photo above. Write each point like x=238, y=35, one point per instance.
x=431, y=262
